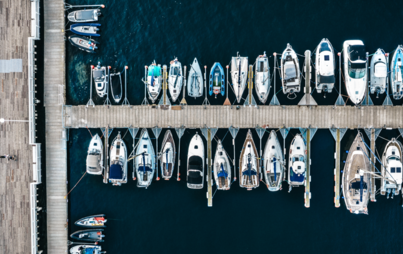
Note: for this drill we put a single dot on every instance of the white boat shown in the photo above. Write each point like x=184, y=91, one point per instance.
x=391, y=182
x=262, y=77
x=95, y=156
x=195, y=166
x=92, y=221
x=86, y=249
x=325, y=64
x=144, y=163
x=154, y=81
x=175, y=79
x=273, y=164
x=379, y=73
x=100, y=79
x=84, y=15
x=290, y=73
x=222, y=168
x=396, y=76
x=239, y=75
x=356, y=178
x=195, y=80
x=118, y=162
x=355, y=70
x=167, y=156
x=249, y=164
x=296, y=163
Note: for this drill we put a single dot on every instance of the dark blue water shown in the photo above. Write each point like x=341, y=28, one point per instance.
x=168, y=217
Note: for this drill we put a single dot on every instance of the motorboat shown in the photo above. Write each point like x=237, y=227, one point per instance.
x=217, y=80
x=297, y=162
x=391, y=182
x=325, y=64
x=195, y=165
x=116, y=86
x=273, y=163
x=396, y=78
x=222, y=168
x=356, y=177
x=195, y=80
x=118, y=162
x=83, y=43
x=100, y=79
x=239, y=75
x=98, y=220
x=175, y=79
x=94, y=235
x=86, y=29
x=144, y=163
x=355, y=70
x=262, y=77
x=154, y=81
x=290, y=73
x=379, y=73
x=167, y=156
x=95, y=156
x=86, y=249
x=82, y=16
x=249, y=164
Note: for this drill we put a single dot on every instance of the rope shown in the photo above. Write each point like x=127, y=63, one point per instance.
x=125, y=133
x=89, y=131
x=290, y=98
x=75, y=185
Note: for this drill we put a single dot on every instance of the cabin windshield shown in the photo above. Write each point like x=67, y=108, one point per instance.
x=356, y=70
x=298, y=158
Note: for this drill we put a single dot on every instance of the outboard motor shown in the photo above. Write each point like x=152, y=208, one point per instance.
x=378, y=90
x=325, y=90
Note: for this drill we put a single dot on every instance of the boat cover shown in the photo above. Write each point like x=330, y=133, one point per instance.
x=93, y=160
x=84, y=15
x=380, y=70
x=289, y=70
x=222, y=173
x=295, y=178
x=116, y=172
x=195, y=162
x=326, y=79
x=249, y=172
x=154, y=71
x=324, y=46
x=194, y=177
x=98, y=73
x=89, y=250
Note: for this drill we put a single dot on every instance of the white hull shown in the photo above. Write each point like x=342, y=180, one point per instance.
x=273, y=165
x=222, y=168
x=391, y=183
x=145, y=172
x=100, y=79
x=290, y=73
x=249, y=164
x=195, y=80
x=118, y=156
x=379, y=72
x=196, y=152
x=325, y=64
x=296, y=162
x=167, y=156
x=175, y=79
x=154, y=83
x=95, y=151
x=396, y=76
x=78, y=249
x=262, y=77
x=239, y=76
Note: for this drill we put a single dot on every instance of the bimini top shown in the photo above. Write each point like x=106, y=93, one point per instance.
x=195, y=163
x=154, y=70
x=84, y=15
x=357, y=53
x=324, y=46
x=116, y=172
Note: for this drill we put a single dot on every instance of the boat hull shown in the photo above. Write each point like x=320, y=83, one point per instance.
x=91, y=235
x=249, y=164
x=84, y=44
x=297, y=162
x=239, y=75
x=273, y=167
x=95, y=152
x=168, y=153
x=290, y=73
x=217, y=80
x=195, y=80
x=175, y=79
x=92, y=221
x=222, y=168
x=325, y=64
x=195, y=163
x=118, y=156
x=85, y=29
x=396, y=76
x=262, y=78
x=145, y=165
x=379, y=73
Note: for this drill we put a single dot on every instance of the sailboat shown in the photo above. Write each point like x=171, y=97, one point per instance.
x=118, y=162
x=249, y=164
x=222, y=168
x=154, y=81
x=290, y=73
x=379, y=73
x=217, y=80
x=391, y=182
x=296, y=163
x=175, y=79
x=195, y=80
x=239, y=75
x=145, y=163
x=195, y=166
x=262, y=77
x=95, y=157
x=273, y=163
x=100, y=79
x=167, y=156
x=396, y=77
x=116, y=86
x=325, y=64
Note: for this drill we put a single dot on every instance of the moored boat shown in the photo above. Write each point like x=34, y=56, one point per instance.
x=249, y=164
x=262, y=77
x=273, y=167
x=92, y=221
x=116, y=86
x=101, y=80
x=239, y=75
x=325, y=64
x=154, y=81
x=217, y=80
x=195, y=165
x=396, y=76
x=84, y=15
x=290, y=73
x=86, y=29
x=297, y=162
x=118, y=162
x=144, y=163
x=94, y=235
x=175, y=79
x=167, y=156
x=222, y=168
x=195, y=80
x=95, y=158
x=86, y=249
x=379, y=73
x=391, y=182
x=83, y=43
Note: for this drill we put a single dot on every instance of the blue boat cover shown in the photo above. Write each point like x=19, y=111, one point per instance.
x=166, y=162
x=295, y=178
x=324, y=47
x=249, y=172
x=89, y=250
x=154, y=71
x=222, y=173
x=274, y=169
x=116, y=172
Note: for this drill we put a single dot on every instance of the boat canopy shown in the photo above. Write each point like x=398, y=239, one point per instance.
x=93, y=160
x=89, y=251
x=154, y=71
x=195, y=163
x=295, y=177
x=249, y=172
x=84, y=15
x=195, y=177
x=289, y=70
x=357, y=52
x=380, y=70
x=324, y=46
x=98, y=74
x=116, y=172
x=326, y=79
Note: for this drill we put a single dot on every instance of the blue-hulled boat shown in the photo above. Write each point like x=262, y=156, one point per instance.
x=217, y=80
x=86, y=29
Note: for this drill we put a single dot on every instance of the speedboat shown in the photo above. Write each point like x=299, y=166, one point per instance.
x=175, y=79
x=145, y=161
x=239, y=75
x=154, y=81
x=92, y=221
x=89, y=235
x=195, y=80
x=379, y=73
x=167, y=156
x=262, y=77
x=86, y=249
x=355, y=70
x=118, y=162
x=249, y=164
x=290, y=73
x=396, y=67
x=217, y=80
x=95, y=157
x=356, y=177
x=86, y=29
x=100, y=79
x=222, y=168
x=116, y=86
x=391, y=182
x=325, y=64
x=296, y=164
x=83, y=43
x=84, y=15
x=195, y=166
x=273, y=166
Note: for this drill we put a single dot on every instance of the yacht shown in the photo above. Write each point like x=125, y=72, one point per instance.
x=355, y=70
x=167, y=156
x=116, y=86
x=296, y=163
x=379, y=73
x=262, y=77
x=80, y=16
x=222, y=168
x=145, y=161
x=355, y=178
x=94, y=235
x=325, y=64
x=239, y=75
x=396, y=68
x=175, y=79
x=195, y=166
x=217, y=80
x=249, y=164
x=195, y=80
x=86, y=249
x=83, y=43
x=100, y=79
x=290, y=73
x=86, y=29
x=154, y=81
x=95, y=157
x=273, y=163
x=391, y=182
x=118, y=162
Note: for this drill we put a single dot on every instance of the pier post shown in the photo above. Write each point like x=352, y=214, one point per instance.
x=145, y=101
x=90, y=102
x=126, y=101
x=308, y=135
x=367, y=100
x=179, y=132
x=157, y=131
x=234, y=132
x=107, y=101
x=337, y=135
x=373, y=186
x=205, y=102
x=183, y=101
x=250, y=101
x=106, y=157
x=387, y=101
x=164, y=100
x=307, y=99
x=227, y=102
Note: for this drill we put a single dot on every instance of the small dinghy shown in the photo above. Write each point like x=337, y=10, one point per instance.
x=222, y=168
x=379, y=73
x=154, y=81
x=89, y=235
x=239, y=75
x=175, y=79
x=144, y=163
x=86, y=29
x=100, y=79
x=273, y=163
x=396, y=77
x=86, y=249
x=118, y=162
x=116, y=86
x=83, y=43
x=391, y=182
x=92, y=221
x=195, y=80
x=325, y=64
x=249, y=164
x=296, y=163
x=167, y=156
x=95, y=157
x=262, y=77
x=82, y=16
x=195, y=166
x=217, y=80
x=290, y=73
